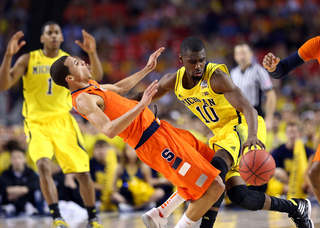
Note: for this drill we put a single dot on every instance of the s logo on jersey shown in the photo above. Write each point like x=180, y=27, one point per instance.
x=168, y=155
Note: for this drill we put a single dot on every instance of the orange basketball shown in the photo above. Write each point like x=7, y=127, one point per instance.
x=257, y=167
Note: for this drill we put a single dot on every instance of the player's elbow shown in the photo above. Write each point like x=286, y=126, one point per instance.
x=109, y=133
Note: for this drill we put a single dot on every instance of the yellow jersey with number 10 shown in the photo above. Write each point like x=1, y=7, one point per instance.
x=43, y=99
x=211, y=108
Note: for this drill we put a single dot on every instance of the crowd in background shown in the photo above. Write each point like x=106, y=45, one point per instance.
x=127, y=32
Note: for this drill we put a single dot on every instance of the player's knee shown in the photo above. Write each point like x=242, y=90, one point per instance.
x=242, y=197
x=44, y=166
x=217, y=186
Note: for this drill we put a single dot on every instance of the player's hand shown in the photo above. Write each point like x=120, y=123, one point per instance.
x=149, y=93
x=152, y=62
x=253, y=141
x=270, y=62
x=89, y=43
x=14, y=46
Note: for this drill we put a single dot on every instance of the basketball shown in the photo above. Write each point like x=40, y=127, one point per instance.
x=257, y=167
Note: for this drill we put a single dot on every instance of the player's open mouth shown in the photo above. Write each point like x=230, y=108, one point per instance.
x=197, y=74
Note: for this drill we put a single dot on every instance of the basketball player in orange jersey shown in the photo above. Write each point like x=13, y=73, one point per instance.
x=156, y=142
x=49, y=126
x=208, y=91
x=279, y=69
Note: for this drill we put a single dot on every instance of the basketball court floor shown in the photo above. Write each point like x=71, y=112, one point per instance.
x=227, y=218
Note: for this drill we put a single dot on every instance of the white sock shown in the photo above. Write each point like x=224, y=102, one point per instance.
x=185, y=222
x=170, y=205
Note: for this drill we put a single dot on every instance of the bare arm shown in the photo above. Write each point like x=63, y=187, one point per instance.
x=271, y=102
x=8, y=77
x=222, y=83
x=90, y=47
x=166, y=84
x=128, y=83
x=87, y=105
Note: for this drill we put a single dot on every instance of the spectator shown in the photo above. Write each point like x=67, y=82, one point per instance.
x=275, y=137
x=136, y=192
x=102, y=170
x=19, y=185
x=254, y=81
x=283, y=155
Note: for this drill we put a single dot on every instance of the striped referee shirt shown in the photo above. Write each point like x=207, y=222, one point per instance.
x=253, y=82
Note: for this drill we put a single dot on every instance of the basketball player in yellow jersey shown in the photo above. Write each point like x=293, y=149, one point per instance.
x=208, y=91
x=49, y=126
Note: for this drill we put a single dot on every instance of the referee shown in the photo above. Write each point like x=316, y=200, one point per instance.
x=254, y=81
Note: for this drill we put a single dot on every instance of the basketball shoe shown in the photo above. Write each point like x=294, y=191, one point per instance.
x=301, y=217
x=152, y=219
x=59, y=223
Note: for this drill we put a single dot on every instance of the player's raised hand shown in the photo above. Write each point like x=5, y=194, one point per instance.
x=14, y=46
x=270, y=62
x=89, y=43
x=149, y=93
x=253, y=141
x=152, y=62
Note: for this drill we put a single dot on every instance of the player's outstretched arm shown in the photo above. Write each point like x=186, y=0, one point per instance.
x=90, y=47
x=8, y=77
x=87, y=106
x=279, y=69
x=128, y=83
x=222, y=83
x=166, y=84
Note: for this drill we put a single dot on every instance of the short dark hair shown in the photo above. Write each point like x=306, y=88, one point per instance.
x=59, y=72
x=100, y=143
x=48, y=23
x=12, y=145
x=191, y=43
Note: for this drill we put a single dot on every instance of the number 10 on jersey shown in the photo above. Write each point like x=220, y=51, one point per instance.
x=208, y=114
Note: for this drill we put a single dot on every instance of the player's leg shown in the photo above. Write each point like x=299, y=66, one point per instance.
x=197, y=208
x=73, y=158
x=314, y=174
x=40, y=149
x=87, y=193
x=298, y=210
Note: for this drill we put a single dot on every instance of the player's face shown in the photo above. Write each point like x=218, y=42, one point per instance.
x=194, y=63
x=79, y=69
x=52, y=37
x=243, y=55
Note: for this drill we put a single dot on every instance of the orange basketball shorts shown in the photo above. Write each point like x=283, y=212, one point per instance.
x=168, y=153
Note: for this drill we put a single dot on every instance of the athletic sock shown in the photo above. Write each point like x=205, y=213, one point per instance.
x=54, y=211
x=92, y=213
x=282, y=205
x=208, y=219
x=170, y=205
x=185, y=222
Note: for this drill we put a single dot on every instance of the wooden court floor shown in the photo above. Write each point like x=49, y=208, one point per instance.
x=226, y=219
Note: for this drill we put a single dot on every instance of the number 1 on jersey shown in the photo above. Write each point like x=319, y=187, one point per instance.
x=49, y=92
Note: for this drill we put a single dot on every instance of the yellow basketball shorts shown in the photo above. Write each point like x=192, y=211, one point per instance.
x=231, y=138
x=59, y=136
